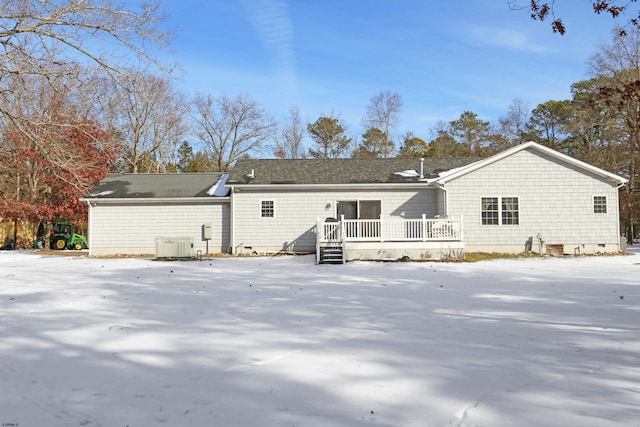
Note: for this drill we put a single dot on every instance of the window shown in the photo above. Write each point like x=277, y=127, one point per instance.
x=600, y=204
x=500, y=211
x=510, y=211
x=267, y=209
x=490, y=211
x=359, y=209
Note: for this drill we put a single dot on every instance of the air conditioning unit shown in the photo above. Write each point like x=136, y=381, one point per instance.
x=174, y=247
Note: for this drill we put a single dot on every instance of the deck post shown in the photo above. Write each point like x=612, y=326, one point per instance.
x=381, y=228
x=424, y=227
x=318, y=237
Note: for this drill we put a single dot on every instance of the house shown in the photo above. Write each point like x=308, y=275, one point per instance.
x=128, y=212
x=528, y=197
x=531, y=195
x=287, y=205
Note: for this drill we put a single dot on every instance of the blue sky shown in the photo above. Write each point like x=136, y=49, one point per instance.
x=332, y=56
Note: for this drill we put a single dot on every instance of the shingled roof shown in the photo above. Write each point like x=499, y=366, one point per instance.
x=337, y=171
x=155, y=186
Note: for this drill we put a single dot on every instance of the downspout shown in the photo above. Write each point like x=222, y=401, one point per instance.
x=89, y=226
x=618, y=217
x=446, y=209
x=232, y=245
x=445, y=199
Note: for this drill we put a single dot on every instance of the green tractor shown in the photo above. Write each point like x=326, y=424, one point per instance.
x=63, y=238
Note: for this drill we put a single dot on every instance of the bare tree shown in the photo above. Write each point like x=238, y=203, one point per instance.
x=541, y=10
x=618, y=67
x=56, y=42
x=292, y=133
x=148, y=115
x=48, y=37
x=231, y=128
x=512, y=126
x=383, y=112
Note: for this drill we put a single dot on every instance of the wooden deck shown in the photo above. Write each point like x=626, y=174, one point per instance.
x=392, y=231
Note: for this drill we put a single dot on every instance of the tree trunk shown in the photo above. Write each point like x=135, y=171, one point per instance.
x=15, y=231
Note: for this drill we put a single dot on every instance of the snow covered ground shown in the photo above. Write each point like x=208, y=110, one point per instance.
x=283, y=342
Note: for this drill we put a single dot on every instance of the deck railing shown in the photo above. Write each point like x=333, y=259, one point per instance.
x=391, y=229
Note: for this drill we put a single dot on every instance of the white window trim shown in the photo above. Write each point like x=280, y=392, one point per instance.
x=500, y=224
x=593, y=204
x=260, y=209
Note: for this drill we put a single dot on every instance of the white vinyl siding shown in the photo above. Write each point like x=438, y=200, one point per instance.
x=555, y=201
x=133, y=228
x=297, y=212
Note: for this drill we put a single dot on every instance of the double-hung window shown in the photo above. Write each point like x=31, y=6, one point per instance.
x=500, y=211
x=490, y=211
x=510, y=214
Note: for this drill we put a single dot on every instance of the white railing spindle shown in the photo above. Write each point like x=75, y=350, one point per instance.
x=393, y=229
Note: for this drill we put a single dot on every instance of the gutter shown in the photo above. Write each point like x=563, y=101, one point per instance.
x=92, y=201
x=359, y=186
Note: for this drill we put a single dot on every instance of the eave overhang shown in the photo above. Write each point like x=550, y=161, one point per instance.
x=316, y=187
x=149, y=201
